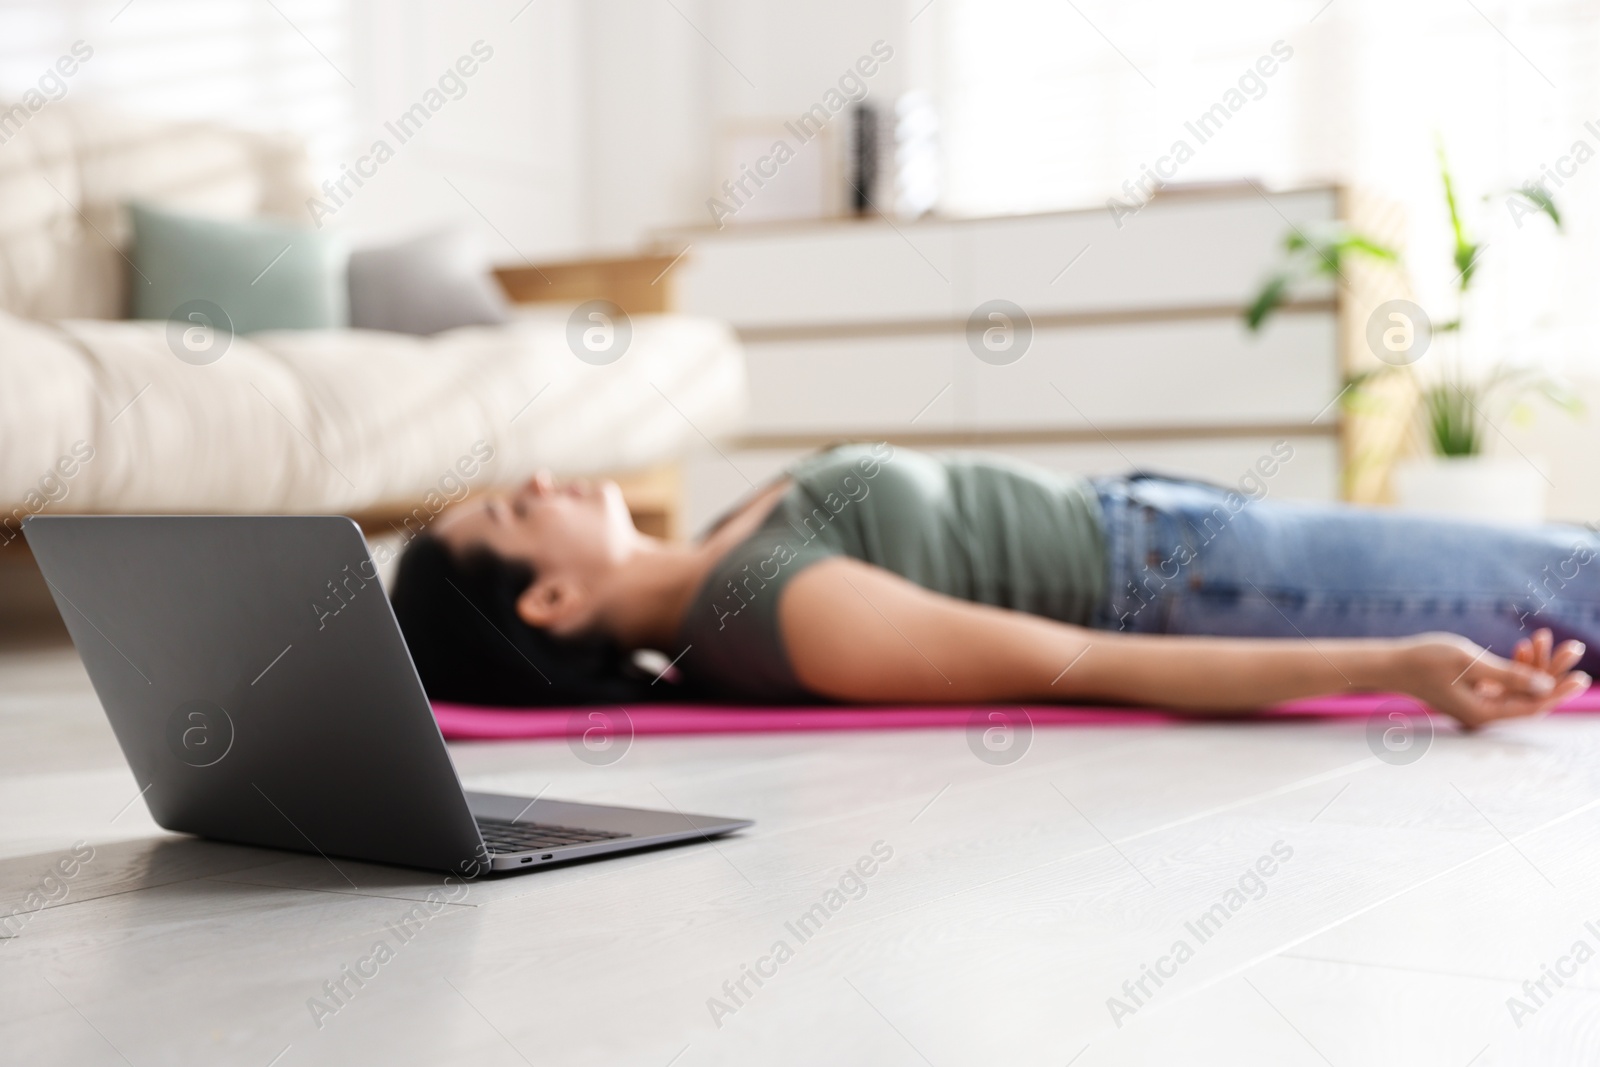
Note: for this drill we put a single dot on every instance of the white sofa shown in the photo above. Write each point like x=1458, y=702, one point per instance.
x=325, y=421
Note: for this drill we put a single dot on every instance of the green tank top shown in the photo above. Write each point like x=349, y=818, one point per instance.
x=976, y=527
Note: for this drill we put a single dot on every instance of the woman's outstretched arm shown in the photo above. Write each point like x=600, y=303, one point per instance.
x=857, y=632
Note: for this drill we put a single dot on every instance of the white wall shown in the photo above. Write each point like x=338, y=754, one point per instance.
x=594, y=123
x=508, y=156
x=664, y=80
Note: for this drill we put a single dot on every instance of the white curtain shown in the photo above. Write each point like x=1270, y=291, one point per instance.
x=1050, y=104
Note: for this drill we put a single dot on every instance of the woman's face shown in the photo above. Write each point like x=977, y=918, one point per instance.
x=579, y=530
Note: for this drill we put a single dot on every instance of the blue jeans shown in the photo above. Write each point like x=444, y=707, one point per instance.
x=1189, y=558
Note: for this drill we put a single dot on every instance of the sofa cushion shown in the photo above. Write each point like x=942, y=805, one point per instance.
x=264, y=275
x=424, y=286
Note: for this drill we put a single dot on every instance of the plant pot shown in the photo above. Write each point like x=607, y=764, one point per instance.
x=1472, y=487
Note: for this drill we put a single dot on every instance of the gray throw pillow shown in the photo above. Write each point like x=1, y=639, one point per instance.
x=431, y=283
x=263, y=275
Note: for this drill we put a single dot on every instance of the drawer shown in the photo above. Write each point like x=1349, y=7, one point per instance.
x=1181, y=251
x=1184, y=251
x=837, y=273
x=868, y=385
x=1195, y=372
x=1206, y=372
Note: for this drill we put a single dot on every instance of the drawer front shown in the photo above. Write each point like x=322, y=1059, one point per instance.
x=844, y=274
x=1206, y=372
x=872, y=385
x=1200, y=372
x=1200, y=251
x=1180, y=252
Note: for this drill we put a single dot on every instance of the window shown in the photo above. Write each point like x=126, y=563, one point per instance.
x=1050, y=104
x=274, y=66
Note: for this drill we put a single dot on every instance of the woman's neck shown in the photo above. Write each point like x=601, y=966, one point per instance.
x=648, y=595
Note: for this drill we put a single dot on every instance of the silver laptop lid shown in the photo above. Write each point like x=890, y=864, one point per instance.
x=258, y=684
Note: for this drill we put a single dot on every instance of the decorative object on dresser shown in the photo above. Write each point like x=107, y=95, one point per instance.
x=779, y=170
x=866, y=136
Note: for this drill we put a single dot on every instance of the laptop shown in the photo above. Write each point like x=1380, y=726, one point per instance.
x=260, y=688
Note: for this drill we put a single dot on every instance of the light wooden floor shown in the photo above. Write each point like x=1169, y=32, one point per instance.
x=1018, y=899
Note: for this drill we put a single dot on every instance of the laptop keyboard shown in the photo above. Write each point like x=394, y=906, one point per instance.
x=501, y=835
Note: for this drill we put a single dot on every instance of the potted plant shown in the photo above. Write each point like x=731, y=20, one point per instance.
x=1419, y=373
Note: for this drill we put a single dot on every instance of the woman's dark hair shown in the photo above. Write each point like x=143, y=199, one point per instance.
x=459, y=617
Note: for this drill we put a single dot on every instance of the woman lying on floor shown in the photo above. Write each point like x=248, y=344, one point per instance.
x=874, y=574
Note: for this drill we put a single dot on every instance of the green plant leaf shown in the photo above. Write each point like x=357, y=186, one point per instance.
x=1541, y=200
x=1466, y=260
x=1452, y=419
x=1266, y=301
x=1312, y=255
x=1356, y=242
x=1466, y=250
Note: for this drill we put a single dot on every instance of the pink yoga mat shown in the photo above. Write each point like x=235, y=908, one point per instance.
x=460, y=722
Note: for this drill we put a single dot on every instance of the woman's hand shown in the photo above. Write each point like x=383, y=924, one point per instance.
x=1476, y=687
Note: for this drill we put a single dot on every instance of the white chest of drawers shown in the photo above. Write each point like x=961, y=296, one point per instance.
x=1137, y=358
